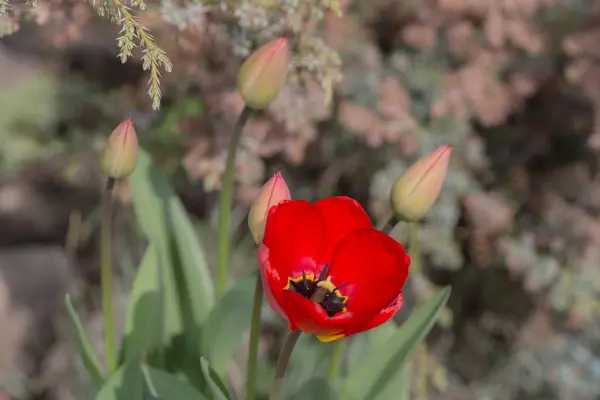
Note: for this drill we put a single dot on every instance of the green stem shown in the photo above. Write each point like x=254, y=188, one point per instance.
x=254, y=337
x=414, y=248
x=337, y=352
x=106, y=274
x=390, y=224
x=226, y=200
x=282, y=363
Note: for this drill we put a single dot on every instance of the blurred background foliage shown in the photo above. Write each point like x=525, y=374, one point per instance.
x=513, y=85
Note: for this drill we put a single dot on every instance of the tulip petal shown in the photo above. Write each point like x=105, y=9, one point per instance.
x=310, y=317
x=270, y=279
x=384, y=316
x=343, y=215
x=373, y=267
x=272, y=193
x=294, y=235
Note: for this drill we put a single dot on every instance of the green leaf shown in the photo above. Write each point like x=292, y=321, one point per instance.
x=168, y=386
x=167, y=225
x=395, y=387
x=369, y=378
x=404, y=385
x=84, y=346
x=214, y=384
x=137, y=381
x=359, y=348
x=310, y=358
x=125, y=384
x=315, y=388
x=153, y=315
x=224, y=329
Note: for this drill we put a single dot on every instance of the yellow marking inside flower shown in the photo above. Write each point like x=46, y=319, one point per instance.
x=330, y=338
x=327, y=284
x=309, y=277
x=333, y=302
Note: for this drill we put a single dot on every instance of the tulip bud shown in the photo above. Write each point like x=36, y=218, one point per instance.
x=418, y=188
x=271, y=194
x=120, y=155
x=263, y=74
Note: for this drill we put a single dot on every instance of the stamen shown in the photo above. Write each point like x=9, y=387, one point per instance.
x=323, y=273
x=327, y=284
x=339, y=287
x=305, y=282
x=321, y=291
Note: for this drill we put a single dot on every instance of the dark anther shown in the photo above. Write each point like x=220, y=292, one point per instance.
x=305, y=287
x=323, y=273
x=339, y=287
x=332, y=302
x=305, y=282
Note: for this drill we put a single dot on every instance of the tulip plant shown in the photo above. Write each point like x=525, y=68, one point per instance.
x=322, y=267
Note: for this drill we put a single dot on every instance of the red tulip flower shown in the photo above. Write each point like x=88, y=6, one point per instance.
x=327, y=270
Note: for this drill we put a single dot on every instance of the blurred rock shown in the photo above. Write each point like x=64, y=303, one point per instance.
x=33, y=284
x=488, y=213
x=35, y=208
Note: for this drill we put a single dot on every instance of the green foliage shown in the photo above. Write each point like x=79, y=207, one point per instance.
x=172, y=320
x=368, y=379
x=133, y=35
x=215, y=386
x=149, y=322
x=178, y=342
x=136, y=381
x=84, y=346
x=228, y=322
x=23, y=127
x=166, y=224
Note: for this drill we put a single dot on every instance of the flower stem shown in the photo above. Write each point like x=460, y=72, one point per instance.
x=337, y=352
x=226, y=200
x=390, y=224
x=106, y=274
x=414, y=248
x=254, y=337
x=282, y=363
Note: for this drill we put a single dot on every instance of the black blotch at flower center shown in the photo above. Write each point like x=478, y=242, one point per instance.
x=332, y=303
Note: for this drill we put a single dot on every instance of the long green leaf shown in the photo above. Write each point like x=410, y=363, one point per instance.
x=215, y=386
x=136, y=381
x=168, y=386
x=404, y=388
x=153, y=315
x=167, y=224
x=368, y=379
x=125, y=384
x=84, y=346
x=310, y=358
x=398, y=388
x=315, y=388
x=227, y=324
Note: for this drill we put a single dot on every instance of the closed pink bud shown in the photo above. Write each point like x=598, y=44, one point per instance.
x=271, y=194
x=415, y=192
x=119, y=158
x=263, y=74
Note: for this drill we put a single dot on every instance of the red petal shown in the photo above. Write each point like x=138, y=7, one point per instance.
x=374, y=268
x=310, y=317
x=343, y=215
x=270, y=279
x=384, y=316
x=294, y=235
